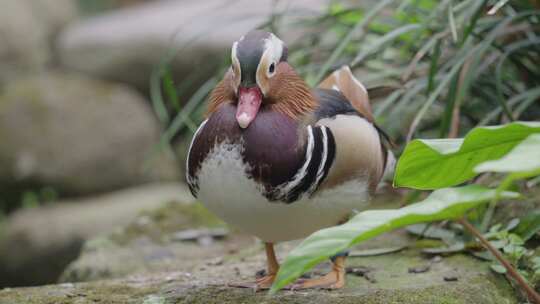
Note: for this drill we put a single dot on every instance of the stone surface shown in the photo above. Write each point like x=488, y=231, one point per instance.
x=37, y=244
x=78, y=136
x=27, y=28
x=149, y=244
x=126, y=45
x=143, y=264
x=205, y=283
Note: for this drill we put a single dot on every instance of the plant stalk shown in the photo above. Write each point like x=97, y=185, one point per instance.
x=511, y=271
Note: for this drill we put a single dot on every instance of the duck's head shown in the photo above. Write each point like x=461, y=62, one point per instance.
x=257, y=60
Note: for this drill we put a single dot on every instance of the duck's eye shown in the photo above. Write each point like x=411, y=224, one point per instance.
x=271, y=68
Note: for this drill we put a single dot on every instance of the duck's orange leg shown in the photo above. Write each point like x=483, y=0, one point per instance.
x=266, y=281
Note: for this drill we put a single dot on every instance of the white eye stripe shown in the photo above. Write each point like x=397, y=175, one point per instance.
x=235, y=63
x=273, y=50
x=275, y=47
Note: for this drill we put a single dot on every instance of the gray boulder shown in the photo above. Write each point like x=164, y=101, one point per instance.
x=37, y=244
x=126, y=44
x=26, y=30
x=78, y=136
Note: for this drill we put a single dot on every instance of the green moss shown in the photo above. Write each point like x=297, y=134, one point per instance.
x=463, y=294
x=101, y=292
x=170, y=218
x=394, y=284
x=428, y=243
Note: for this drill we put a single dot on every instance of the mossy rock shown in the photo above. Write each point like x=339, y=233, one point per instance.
x=147, y=245
x=164, y=271
x=474, y=283
x=78, y=136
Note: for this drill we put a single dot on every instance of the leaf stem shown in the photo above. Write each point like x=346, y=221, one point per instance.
x=533, y=295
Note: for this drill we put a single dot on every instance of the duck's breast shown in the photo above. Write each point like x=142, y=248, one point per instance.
x=271, y=148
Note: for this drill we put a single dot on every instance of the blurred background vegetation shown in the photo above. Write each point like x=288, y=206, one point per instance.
x=433, y=68
x=98, y=96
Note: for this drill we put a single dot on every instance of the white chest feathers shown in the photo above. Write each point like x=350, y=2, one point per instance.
x=226, y=190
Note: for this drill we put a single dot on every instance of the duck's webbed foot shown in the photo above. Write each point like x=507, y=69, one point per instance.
x=266, y=281
x=335, y=279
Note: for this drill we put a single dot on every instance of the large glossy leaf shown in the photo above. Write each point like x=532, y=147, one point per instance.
x=442, y=204
x=524, y=157
x=438, y=163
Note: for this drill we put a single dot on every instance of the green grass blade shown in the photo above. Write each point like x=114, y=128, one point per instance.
x=156, y=95
x=472, y=24
x=433, y=96
x=432, y=43
x=382, y=106
x=437, y=163
x=514, y=47
x=464, y=54
x=433, y=66
x=170, y=90
x=183, y=118
x=387, y=38
x=449, y=108
x=452, y=23
x=524, y=100
x=442, y=204
x=496, y=7
x=360, y=26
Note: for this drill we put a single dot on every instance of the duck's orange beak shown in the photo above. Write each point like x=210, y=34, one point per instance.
x=249, y=102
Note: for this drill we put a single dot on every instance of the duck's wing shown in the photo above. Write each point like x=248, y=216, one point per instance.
x=343, y=81
x=359, y=153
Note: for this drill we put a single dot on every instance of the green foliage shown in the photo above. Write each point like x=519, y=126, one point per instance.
x=514, y=249
x=444, y=66
x=510, y=243
x=32, y=199
x=445, y=63
x=524, y=157
x=535, y=265
x=441, y=204
x=528, y=225
x=437, y=163
x=25, y=196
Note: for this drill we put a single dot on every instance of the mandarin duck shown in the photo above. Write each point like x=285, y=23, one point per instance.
x=279, y=160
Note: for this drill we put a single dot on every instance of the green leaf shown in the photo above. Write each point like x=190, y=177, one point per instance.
x=457, y=247
x=529, y=225
x=442, y=204
x=524, y=157
x=437, y=163
x=498, y=268
x=425, y=230
x=375, y=251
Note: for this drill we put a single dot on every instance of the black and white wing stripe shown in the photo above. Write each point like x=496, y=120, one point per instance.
x=319, y=156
